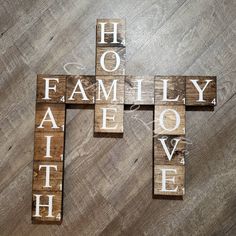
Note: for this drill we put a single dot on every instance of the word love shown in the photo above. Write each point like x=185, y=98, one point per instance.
x=108, y=91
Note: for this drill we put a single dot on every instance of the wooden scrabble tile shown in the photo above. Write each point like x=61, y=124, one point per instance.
x=47, y=207
x=48, y=146
x=80, y=89
x=109, y=118
x=110, y=61
x=200, y=91
x=51, y=88
x=109, y=89
x=169, y=90
x=169, y=180
x=110, y=33
x=47, y=176
x=169, y=120
x=49, y=117
x=139, y=90
x=169, y=150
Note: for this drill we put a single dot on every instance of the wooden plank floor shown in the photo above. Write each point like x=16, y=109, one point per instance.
x=108, y=182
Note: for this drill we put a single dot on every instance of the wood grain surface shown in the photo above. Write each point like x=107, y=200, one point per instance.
x=108, y=181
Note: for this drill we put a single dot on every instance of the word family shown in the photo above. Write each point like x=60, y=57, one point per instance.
x=109, y=91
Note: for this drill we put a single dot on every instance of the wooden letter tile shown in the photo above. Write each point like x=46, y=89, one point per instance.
x=110, y=61
x=169, y=150
x=109, y=89
x=51, y=88
x=169, y=90
x=170, y=120
x=200, y=91
x=110, y=32
x=109, y=118
x=48, y=176
x=80, y=89
x=169, y=180
x=47, y=207
x=49, y=117
x=139, y=90
x=49, y=146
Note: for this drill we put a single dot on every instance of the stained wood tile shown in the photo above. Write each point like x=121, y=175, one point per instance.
x=201, y=91
x=47, y=176
x=49, y=117
x=109, y=89
x=169, y=90
x=169, y=120
x=49, y=146
x=80, y=89
x=116, y=37
x=139, y=90
x=169, y=180
x=51, y=88
x=110, y=61
x=169, y=150
x=43, y=214
x=109, y=118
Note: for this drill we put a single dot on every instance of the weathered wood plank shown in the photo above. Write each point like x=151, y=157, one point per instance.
x=109, y=118
x=80, y=89
x=51, y=88
x=170, y=90
x=110, y=89
x=110, y=61
x=139, y=90
x=49, y=117
x=169, y=180
x=169, y=120
x=201, y=91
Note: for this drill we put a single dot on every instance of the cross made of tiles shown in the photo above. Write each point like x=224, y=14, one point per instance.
x=109, y=90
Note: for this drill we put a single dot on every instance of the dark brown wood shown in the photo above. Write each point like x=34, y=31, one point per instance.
x=51, y=152
x=51, y=88
x=109, y=38
x=109, y=118
x=168, y=178
x=112, y=59
x=109, y=89
x=209, y=94
x=80, y=89
x=175, y=93
x=55, y=113
x=160, y=155
x=166, y=120
x=139, y=90
x=44, y=217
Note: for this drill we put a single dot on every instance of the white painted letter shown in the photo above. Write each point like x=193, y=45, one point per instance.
x=165, y=88
x=164, y=179
x=114, y=32
x=168, y=154
x=52, y=120
x=102, y=61
x=47, y=182
x=47, y=88
x=106, y=95
x=177, y=119
x=48, y=146
x=38, y=205
x=81, y=91
x=105, y=118
x=200, y=91
x=139, y=87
